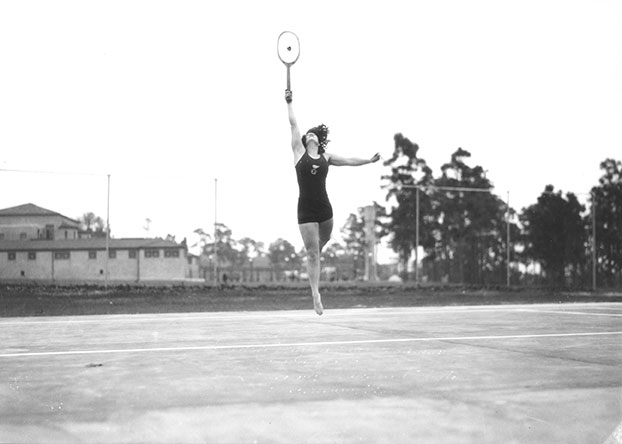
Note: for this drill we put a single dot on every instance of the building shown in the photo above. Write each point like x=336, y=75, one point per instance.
x=27, y=222
x=44, y=246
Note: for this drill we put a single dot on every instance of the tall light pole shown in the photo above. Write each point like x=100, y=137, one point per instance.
x=107, y=233
x=593, y=242
x=417, y=237
x=507, y=243
x=216, y=230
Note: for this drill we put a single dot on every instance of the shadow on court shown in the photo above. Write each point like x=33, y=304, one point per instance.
x=510, y=374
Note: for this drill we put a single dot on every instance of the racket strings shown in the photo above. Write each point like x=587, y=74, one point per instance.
x=288, y=47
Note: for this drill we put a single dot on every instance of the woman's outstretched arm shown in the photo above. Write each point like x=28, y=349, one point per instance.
x=297, y=146
x=334, y=159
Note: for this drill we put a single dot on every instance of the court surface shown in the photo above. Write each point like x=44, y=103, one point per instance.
x=487, y=374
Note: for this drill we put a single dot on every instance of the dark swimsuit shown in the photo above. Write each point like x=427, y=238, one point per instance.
x=313, y=203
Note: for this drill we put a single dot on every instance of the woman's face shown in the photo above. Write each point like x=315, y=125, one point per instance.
x=312, y=137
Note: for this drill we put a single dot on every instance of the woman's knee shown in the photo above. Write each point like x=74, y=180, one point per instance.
x=313, y=253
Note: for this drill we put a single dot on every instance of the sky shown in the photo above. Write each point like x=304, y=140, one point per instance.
x=165, y=97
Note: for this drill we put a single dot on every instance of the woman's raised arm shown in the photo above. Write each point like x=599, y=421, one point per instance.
x=297, y=146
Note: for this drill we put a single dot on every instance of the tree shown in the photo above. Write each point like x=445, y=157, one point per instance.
x=282, y=254
x=204, y=240
x=92, y=224
x=555, y=234
x=461, y=232
x=407, y=170
x=606, y=199
x=333, y=254
x=224, y=246
x=469, y=223
x=249, y=249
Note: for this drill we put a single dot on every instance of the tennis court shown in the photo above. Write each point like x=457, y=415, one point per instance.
x=483, y=374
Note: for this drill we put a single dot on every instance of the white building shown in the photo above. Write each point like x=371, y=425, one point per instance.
x=27, y=222
x=44, y=246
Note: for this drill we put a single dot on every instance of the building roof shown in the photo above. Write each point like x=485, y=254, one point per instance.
x=86, y=244
x=30, y=209
x=26, y=225
x=66, y=225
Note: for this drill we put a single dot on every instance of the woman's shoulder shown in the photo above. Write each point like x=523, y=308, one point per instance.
x=298, y=157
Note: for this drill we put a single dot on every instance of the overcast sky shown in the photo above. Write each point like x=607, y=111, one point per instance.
x=166, y=96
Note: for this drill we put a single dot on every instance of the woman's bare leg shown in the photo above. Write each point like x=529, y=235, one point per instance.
x=311, y=238
x=326, y=230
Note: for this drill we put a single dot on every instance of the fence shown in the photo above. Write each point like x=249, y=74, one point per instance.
x=476, y=259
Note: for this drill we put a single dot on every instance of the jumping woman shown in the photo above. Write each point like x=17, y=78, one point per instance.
x=315, y=214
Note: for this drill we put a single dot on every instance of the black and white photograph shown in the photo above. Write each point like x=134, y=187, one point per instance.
x=319, y=222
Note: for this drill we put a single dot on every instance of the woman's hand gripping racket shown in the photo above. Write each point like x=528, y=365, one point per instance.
x=288, y=49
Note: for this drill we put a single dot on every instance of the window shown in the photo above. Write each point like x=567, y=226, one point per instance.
x=112, y=254
x=23, y=236
x=132, y=254
x=62, y=255
x=92, y=254
x=32, y=256
x=12, y=255
x=171, y=253
x=152, y=253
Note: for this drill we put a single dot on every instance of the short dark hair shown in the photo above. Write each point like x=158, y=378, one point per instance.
x=321, y=131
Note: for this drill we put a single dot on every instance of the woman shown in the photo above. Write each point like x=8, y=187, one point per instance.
x=315, y=214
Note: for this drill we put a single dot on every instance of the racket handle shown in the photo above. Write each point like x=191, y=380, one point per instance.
x=288, y=80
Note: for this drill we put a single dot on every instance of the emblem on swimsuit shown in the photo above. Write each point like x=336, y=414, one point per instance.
x=314, y=169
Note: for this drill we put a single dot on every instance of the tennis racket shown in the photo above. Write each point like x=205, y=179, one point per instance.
x=288, y=49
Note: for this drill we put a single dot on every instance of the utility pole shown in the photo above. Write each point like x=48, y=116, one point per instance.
x=417, y=238
x=594, y=270
x=216, y=231
x=507, y=242
x=107, y=233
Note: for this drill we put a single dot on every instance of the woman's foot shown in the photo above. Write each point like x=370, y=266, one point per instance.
x=317, y=304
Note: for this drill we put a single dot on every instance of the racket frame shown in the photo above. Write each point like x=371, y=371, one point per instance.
x=288, y=65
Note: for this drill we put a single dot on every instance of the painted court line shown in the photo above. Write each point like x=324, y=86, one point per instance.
x=302, y=344
x=244, y=315
x=580, y=313
x=171, y=317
